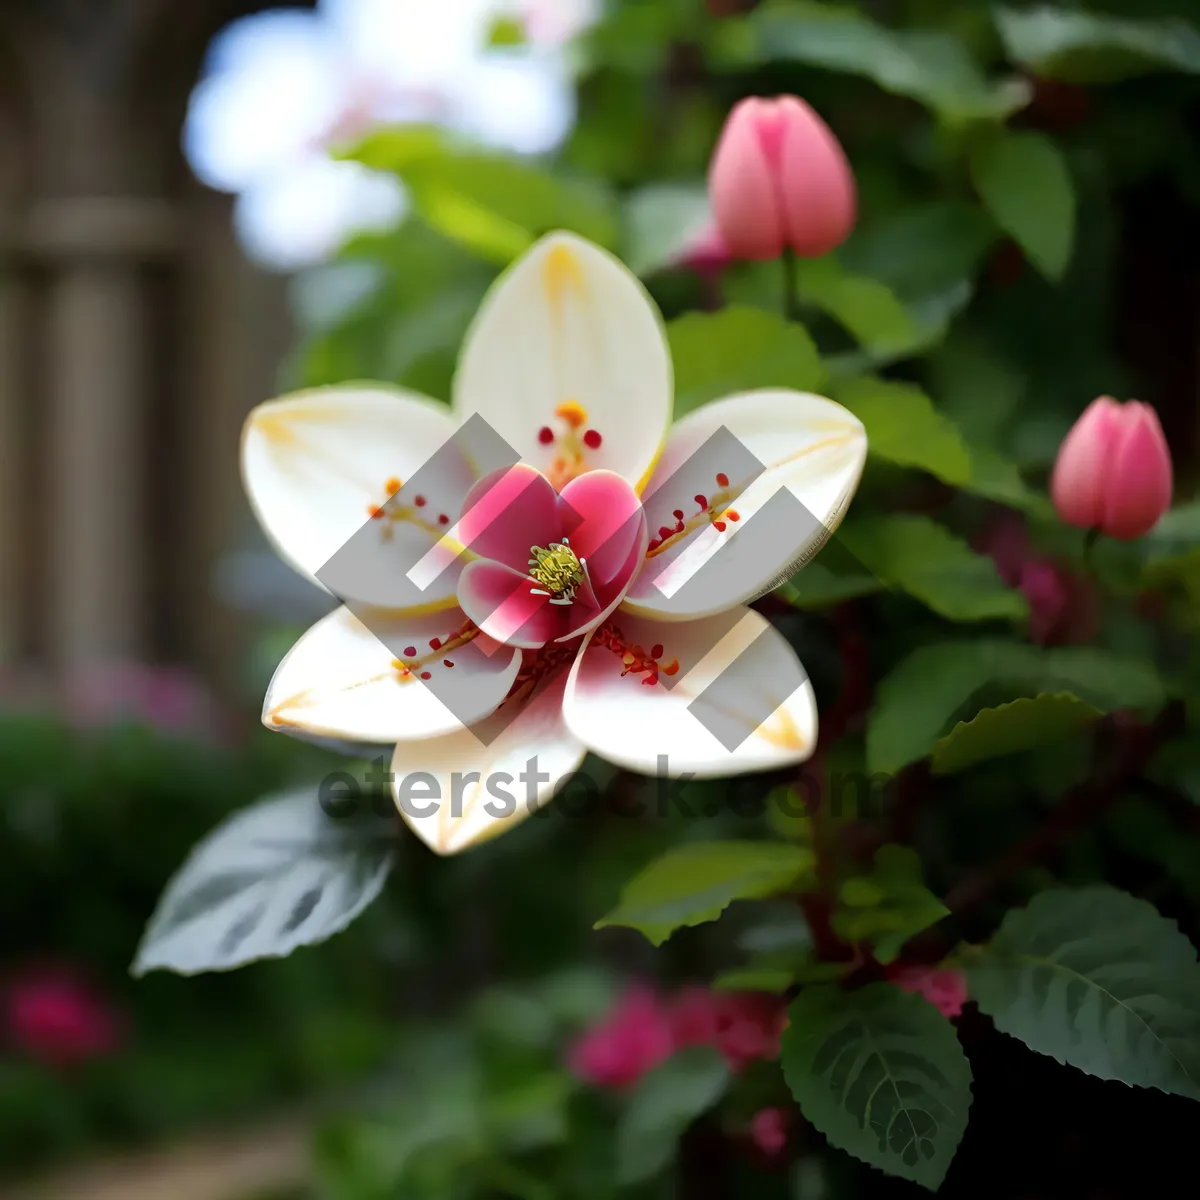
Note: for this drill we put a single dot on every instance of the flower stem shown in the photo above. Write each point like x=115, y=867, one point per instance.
x=1078, y=809
x=791, y=285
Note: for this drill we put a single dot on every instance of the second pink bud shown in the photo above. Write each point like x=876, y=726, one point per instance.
x=780, y=180
x=1113, y=472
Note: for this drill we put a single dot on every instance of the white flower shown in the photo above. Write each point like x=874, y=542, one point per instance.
x=568, y=362
x=282, y=88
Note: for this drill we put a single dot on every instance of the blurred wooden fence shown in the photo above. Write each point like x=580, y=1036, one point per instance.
x=260, y=1162
x=133, y=339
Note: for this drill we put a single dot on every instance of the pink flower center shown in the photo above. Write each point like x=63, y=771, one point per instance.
x=549, y=566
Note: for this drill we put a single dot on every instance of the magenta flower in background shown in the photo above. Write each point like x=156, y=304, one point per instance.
x=707, y=253
x=167, y=699
x=633, y=1039
x=644, y=1030
x=748, y=1027
x=1062, y=604
x=56, y=1017
x=768, y=1129
x=945, y=989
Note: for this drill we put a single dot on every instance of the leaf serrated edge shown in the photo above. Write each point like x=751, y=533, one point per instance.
x=981, y=952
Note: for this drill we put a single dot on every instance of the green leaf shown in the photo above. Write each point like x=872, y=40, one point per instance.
x=325, y=296
x=867, y=309
x=835, y=576
x=274, y=876
x=754, y=979
x=903, y=427
x=1180, y=526
x=494, y=205
x=924, y=252
x=529, y=1112
x=916, y=555
x=1026, y=185
x=661, y=222
x=737, y=350
x=1081, y=47
x=931, y=67
x=397, y=148
x=889, y=907
x=696, y=882
x=996, y=478
x=881, y=1074
x=916, y=703
x=1176, y=570
x=1011, y=728
x=816, y=586
x=666, y=1102
x=1100, y=981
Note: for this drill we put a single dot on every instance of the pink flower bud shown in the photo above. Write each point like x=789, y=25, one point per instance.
x=1113, y=471
x=779, y=178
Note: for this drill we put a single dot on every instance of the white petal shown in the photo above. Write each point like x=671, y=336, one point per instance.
x=568, y=322
x=740, y=702
x=307, y=210
x=271, y=90
x=458, y=791
x=315, y=463
x=411, y=44
x=519, y=101
x=555, y=22
x=340, y=679
x=768, y=444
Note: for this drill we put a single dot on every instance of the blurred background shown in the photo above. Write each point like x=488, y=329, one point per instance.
x=143, y=313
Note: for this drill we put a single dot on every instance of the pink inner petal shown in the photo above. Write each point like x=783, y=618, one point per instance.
x=508, y=511
x=502, y=603
x=603, y=518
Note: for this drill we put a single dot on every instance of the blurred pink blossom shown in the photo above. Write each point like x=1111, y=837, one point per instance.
x=1062, y=605
x=54, y=1016
x=748, y=1026
x=633, y=1039
x=707, y=253
x=945, y=989
x=768, y=1128
x=167, y=699
x=556, y=22
x=644, y=1030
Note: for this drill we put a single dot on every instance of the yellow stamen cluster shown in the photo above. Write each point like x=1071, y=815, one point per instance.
x=556, y=568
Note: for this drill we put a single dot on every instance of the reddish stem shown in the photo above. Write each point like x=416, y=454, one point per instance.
x=1080, y=807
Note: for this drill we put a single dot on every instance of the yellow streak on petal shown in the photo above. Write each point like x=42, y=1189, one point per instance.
x=280, y=422
x=562, y=271
x=275, y=427
x=782, y=731
x=641, y=484
x=310, y=696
